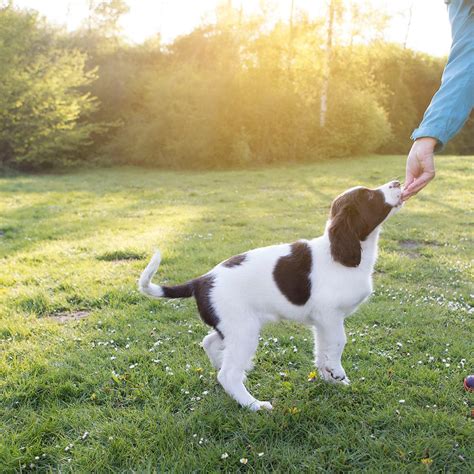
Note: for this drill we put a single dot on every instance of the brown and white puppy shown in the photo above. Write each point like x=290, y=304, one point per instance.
x=318, y=282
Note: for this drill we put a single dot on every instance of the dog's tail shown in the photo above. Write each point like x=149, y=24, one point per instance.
x=156, y=291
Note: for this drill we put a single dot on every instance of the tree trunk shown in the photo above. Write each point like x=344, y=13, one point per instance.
x=407, y=31
x=327, y=66
x=290, y=39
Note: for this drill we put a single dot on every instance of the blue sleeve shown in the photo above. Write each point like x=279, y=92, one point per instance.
x=451, y=105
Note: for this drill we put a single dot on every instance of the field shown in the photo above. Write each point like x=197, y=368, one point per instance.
x=95, y=377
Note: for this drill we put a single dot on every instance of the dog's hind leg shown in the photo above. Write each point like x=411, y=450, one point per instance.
x=240, y=346
x=214, y=345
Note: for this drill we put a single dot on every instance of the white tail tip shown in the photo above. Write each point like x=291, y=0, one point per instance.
x=144, y=283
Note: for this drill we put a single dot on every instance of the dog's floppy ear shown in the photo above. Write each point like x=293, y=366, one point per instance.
x=344, y=236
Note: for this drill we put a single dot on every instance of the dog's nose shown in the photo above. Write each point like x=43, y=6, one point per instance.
x=394, y=184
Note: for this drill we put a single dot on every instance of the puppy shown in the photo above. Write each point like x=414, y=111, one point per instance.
x=318, y=282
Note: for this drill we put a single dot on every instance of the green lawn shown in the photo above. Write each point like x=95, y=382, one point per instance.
x=127, y=387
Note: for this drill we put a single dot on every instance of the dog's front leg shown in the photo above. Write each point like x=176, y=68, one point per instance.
x=329, y=342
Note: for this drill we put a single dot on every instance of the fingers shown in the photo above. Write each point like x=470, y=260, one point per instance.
x=406, y=193
x=413, y=170
x=409, y=178
x=407, y=185
x=420, y=168
x=417, y=185
x=409, y=181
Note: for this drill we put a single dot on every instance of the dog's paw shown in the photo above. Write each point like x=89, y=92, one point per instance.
x=258, y=405
x=334, y=375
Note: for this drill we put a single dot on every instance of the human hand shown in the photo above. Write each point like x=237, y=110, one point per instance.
x=420, y=168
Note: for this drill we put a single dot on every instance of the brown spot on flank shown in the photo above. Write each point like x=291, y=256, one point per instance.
x=292, y=273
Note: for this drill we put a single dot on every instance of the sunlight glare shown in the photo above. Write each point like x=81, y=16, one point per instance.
x=429, y=30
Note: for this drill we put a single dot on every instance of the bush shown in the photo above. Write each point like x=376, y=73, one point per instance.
x=356, y=123
x=192, y=115
x=223, y=95
x=43, y=101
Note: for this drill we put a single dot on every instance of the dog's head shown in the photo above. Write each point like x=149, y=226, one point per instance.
x=355, y=214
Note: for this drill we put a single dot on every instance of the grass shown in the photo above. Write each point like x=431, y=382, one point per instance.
x=128, y=387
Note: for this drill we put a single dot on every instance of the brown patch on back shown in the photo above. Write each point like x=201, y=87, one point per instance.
x=70, y=316
x=235, y=261
x=292, y=274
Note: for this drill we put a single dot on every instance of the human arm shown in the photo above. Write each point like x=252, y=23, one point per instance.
x=451, y=105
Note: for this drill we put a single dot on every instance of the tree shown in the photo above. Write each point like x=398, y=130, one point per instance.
x=105, y=16
x=43, y=103
x=335, y=11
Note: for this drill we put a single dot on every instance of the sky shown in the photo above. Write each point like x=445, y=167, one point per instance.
x=429, y=30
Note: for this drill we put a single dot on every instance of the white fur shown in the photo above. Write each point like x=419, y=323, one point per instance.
x=246, y=297
x=144, y=283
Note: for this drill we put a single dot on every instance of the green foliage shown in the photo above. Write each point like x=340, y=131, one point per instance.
x=242, y=91
x=105, y=16
x=409, y=80
x=356, y=122
x=222, y=96
x=116, y=385
x=219, y=99
x=43, y=96
x=464, y=142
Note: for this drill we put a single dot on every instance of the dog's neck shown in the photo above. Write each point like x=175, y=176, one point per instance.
x=369, y=247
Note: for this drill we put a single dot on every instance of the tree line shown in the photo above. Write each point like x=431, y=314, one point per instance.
x=233, y=93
